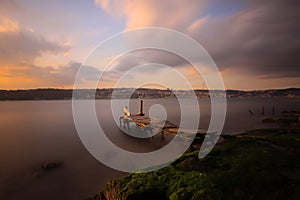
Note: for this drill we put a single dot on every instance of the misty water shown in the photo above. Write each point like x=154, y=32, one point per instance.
x=34, y=132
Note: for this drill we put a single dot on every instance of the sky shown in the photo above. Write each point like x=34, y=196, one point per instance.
x=255, y=44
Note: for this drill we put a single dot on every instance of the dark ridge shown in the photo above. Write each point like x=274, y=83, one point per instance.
x=147, y=93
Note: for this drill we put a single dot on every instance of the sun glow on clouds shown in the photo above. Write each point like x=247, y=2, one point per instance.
x=251, y=41
x=20, y=48
x=153, y=13
x=7, y=25
x=255, y=45
x=21, y=45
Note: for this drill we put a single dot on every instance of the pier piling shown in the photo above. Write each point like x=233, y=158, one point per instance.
x=141, y=108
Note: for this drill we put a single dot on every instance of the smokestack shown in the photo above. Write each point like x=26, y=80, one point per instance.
x=141, y=108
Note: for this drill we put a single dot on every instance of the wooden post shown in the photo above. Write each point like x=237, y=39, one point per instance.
x=263, y=110
x=141, y=108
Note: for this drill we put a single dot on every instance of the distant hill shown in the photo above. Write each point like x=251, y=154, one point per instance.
x=119, y=93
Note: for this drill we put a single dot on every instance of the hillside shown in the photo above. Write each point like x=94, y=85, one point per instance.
x=120, y=93
x=259, y=164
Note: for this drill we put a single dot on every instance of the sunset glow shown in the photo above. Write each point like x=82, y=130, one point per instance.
x=43, y=43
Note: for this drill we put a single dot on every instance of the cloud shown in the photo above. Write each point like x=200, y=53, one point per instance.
x=19, y=45
x=7, y=25
x=262, y=39
x=144, y=56
x=256, y=37
x=31, y=76
x=162, y=13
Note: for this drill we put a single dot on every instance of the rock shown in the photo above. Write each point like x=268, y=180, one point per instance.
x=51, y=165
x=221, y=140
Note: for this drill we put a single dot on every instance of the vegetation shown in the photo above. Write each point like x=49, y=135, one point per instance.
x=259, y=164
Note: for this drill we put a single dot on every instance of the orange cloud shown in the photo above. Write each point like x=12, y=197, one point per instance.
x=153, y=13
x=7, y=25
x=197, y=24
x=11, y=80
x=31, y=76
x=22, y=45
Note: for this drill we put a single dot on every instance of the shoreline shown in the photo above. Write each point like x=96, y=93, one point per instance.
x=123, y=93
x=252, y=151
x=189, y=166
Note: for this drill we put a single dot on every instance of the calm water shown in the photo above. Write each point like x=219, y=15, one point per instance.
x=33, y=132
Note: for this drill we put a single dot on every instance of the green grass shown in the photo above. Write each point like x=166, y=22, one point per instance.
x=261, y=164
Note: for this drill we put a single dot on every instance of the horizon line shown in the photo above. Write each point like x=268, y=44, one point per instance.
x=52, y=88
